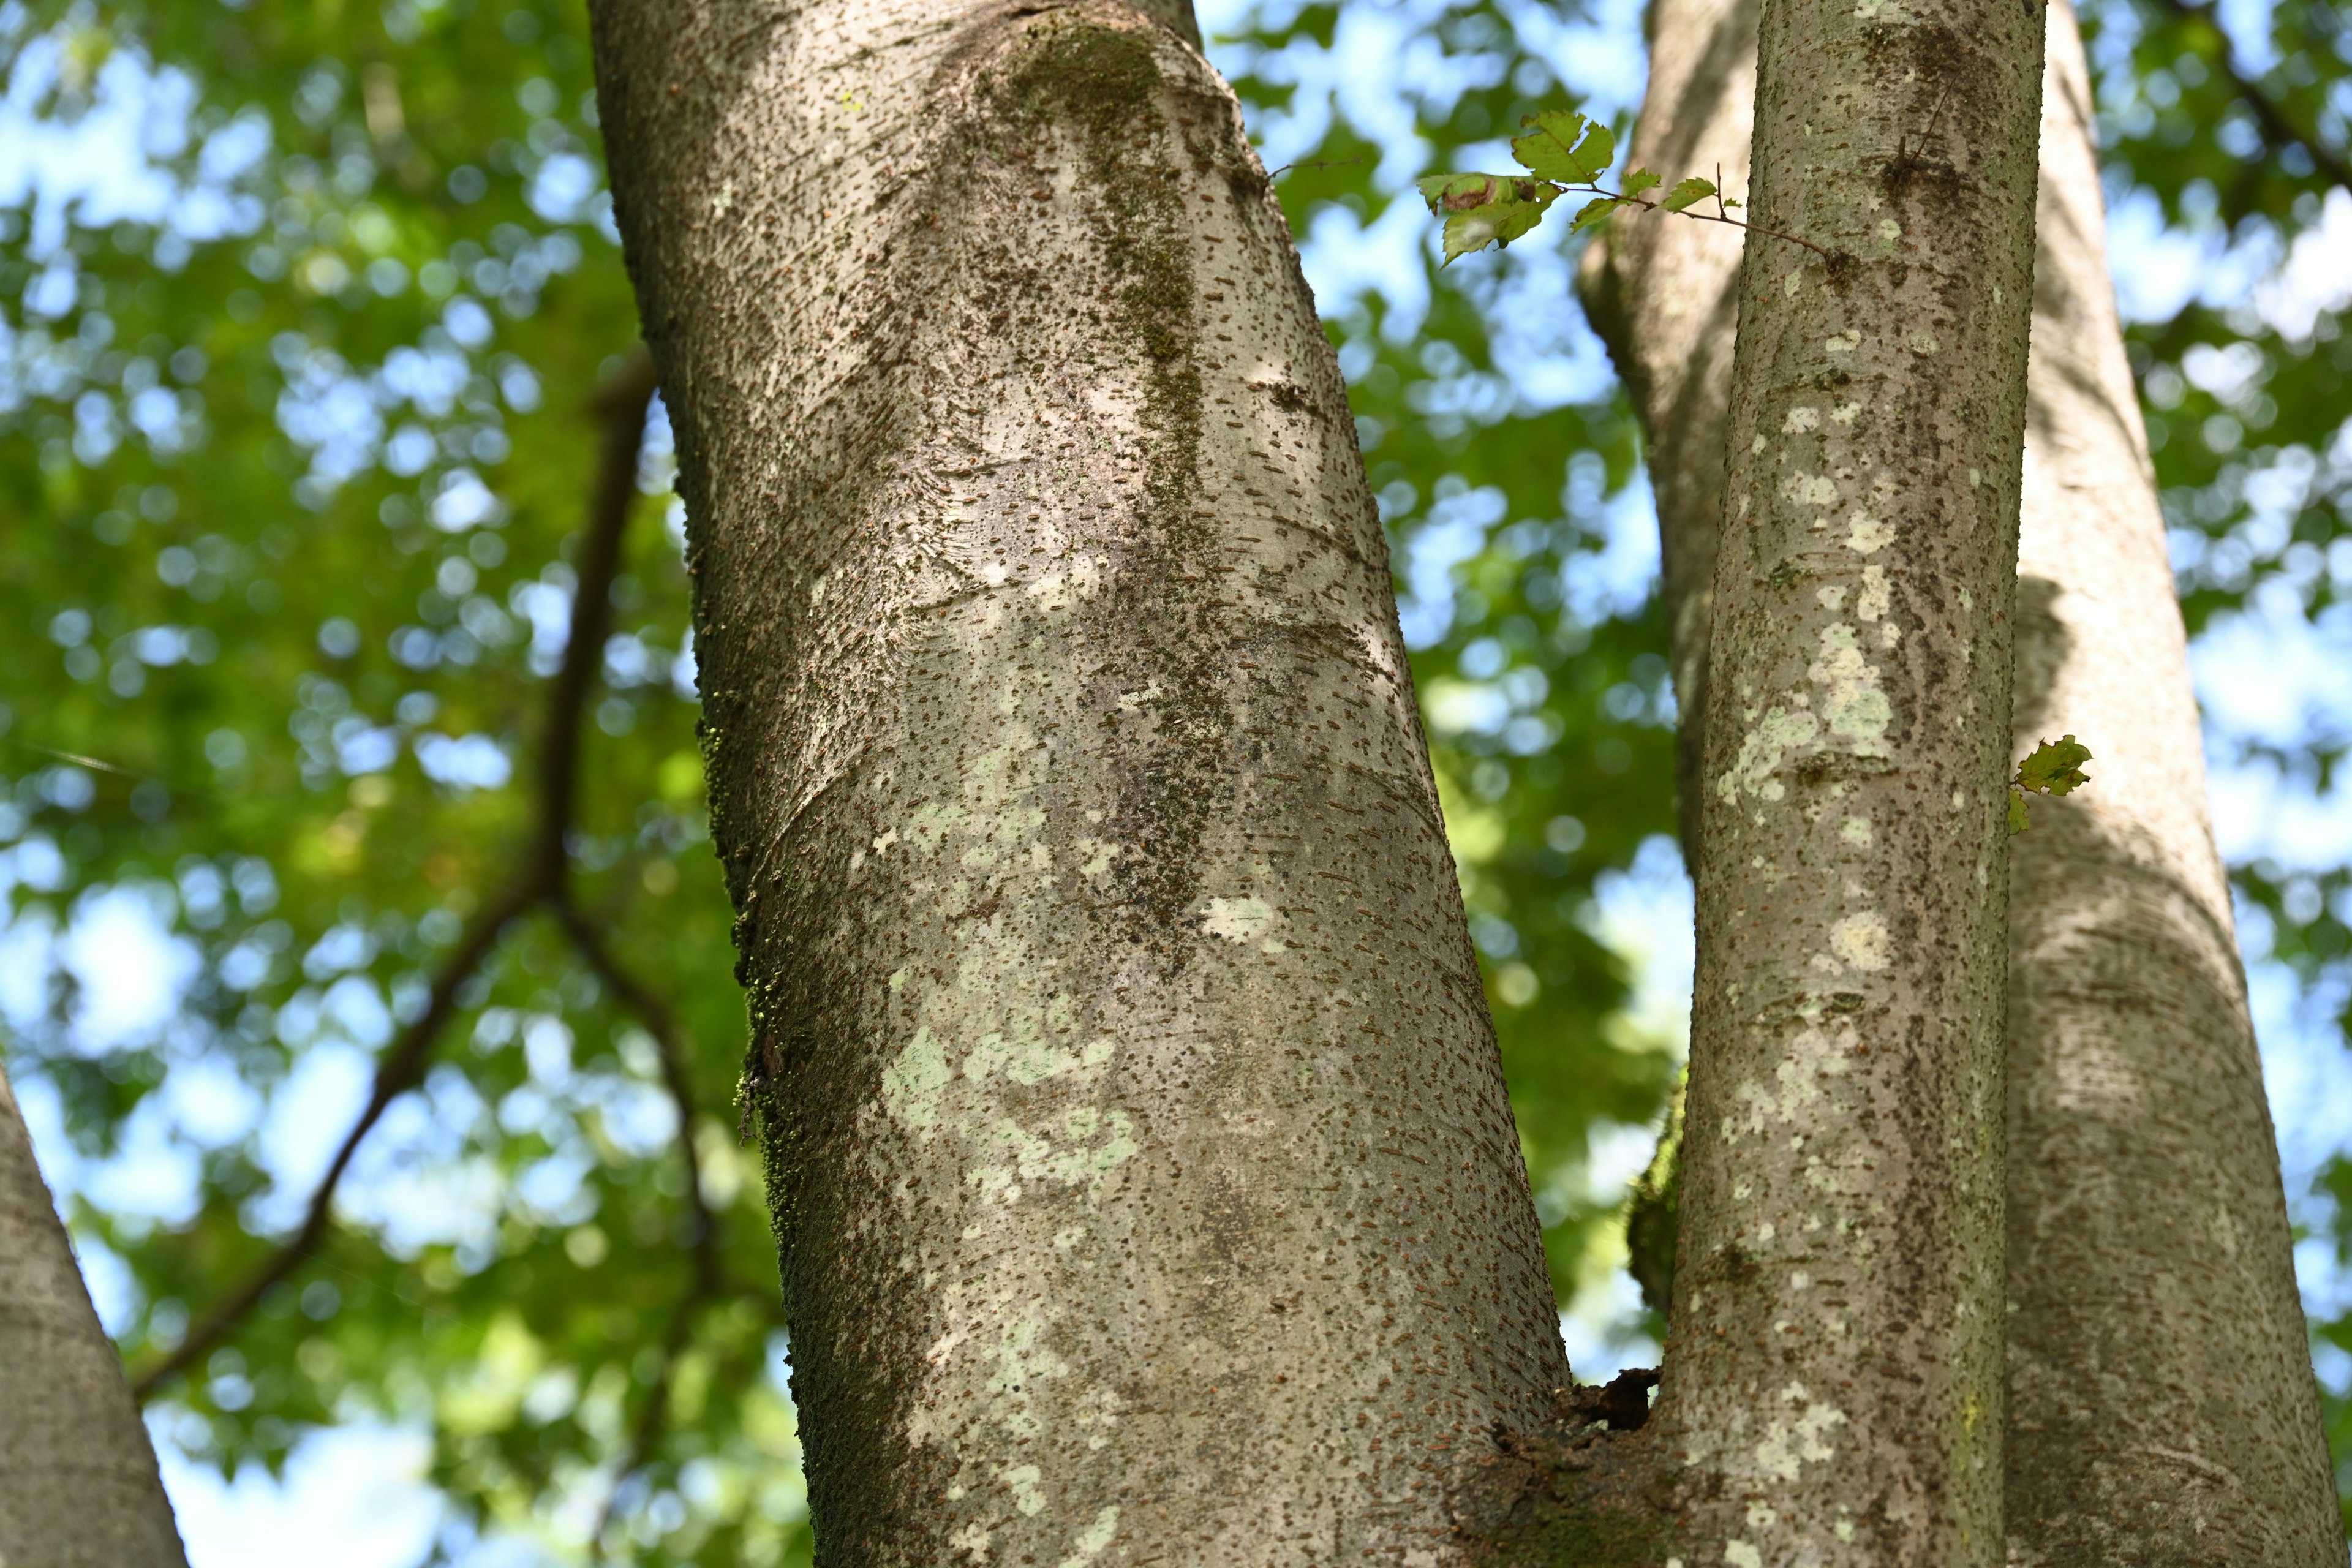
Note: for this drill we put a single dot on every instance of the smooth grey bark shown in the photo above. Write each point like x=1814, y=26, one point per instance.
x=78, y=1482
x=1833, y=1367
x=2162, y=1408
x=1138, y=1141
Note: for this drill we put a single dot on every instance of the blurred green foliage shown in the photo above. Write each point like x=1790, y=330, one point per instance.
x=294, y=441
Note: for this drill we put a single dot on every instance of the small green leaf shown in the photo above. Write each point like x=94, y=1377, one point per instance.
x=2054, y=768
x=1688, y=192
x=1592, y=212
x=1597, y=151
x=1642, y=180
x=2017, y=823
x=1549, y=150
x=1562, y=145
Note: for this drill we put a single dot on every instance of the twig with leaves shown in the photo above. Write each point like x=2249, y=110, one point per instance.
x=1564, y=151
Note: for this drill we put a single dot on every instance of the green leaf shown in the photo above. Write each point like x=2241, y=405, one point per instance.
x=2054, y=768
x=1562, y=145
x=1687, y=192
x=1642, y=180
x=1593, y=211
x=1483, y=209
x=2016, y=822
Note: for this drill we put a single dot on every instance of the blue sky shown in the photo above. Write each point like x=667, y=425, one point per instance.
x=354, y=1495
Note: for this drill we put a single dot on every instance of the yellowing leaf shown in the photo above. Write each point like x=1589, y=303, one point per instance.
x=2017, y=821
x=1688, y=192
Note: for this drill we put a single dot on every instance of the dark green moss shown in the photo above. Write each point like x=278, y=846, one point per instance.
x=1104, y=84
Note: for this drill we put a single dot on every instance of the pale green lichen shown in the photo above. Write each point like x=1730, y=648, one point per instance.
x=1866, y=535
x=1861, y=942
x=1856, y=711
x=913, y=1083
x=1090, y=1543
x=1764, y=748
x=1810, y=490
x=1028, y=1494
x=1243, y=920
x=1875, y=597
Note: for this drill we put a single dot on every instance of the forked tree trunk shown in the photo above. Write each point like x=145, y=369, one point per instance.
x=1137, y=1142
x=1833, y=1376
x=2162, y=1409
x=78, y=1481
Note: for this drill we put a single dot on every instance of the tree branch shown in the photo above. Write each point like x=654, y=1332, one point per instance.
x=620, y=403
x=2277, y=128
x=707, y=1283
x=670, y=1047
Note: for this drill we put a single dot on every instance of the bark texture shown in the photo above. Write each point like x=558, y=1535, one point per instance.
x=78, y=1481
x=1138, y=1144
x=2162, y=1409
x=1834, y=1372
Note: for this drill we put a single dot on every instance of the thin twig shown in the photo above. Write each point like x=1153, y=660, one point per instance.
x=1718, y=215
x=621, y=403
x=670, y=1048
x=1319, y=163
x=2276, y=126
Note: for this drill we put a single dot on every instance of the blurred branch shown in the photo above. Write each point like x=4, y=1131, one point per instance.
x=709, y=1282
x=620, y=403
x=2278, y=127
x=670, y=1047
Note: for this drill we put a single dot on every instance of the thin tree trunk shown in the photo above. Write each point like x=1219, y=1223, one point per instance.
x=1834, y=1373
x=1137, y=1143
x=2162, y=1408
x=78, y=1481
x=1662, y=295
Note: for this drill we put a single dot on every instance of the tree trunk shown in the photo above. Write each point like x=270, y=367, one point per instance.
x=78, y=1481
x=1833, y=1374
x=1138, y=1144
x=1661, y=294
x=2163, y=1408
x=2162, y=1404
